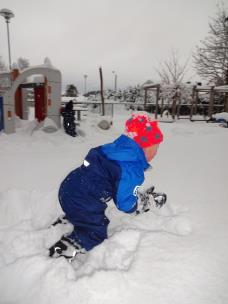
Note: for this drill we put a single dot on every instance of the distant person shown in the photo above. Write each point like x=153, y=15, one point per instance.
x=111, y=171
x=68, y=114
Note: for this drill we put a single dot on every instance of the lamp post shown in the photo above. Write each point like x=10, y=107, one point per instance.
x=85, y=78
x=115, y=81
x=7, y=14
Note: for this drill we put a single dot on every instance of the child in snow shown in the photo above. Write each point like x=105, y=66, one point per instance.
x=69, y=119
x=111, y=171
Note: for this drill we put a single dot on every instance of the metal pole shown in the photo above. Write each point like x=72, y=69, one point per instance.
x=115, y=82
x=157, y=100
x=8, y=38
x=192, y=103
x=7, y=14
x=211, y=102
x=102, y=92
x=85, y=78
x=114, y=73
x=145, y=98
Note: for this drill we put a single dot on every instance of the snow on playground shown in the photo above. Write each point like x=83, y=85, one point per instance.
x=177, y=255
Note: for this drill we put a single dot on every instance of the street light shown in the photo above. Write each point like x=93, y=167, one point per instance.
x=115, y=81
x=7, y=14
x=85, y=78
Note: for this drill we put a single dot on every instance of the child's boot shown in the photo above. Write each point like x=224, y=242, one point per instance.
x=67, y=248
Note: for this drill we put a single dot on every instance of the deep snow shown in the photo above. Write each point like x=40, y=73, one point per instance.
x=176, y=255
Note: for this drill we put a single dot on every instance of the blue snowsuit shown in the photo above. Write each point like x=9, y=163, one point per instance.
x=111, y=171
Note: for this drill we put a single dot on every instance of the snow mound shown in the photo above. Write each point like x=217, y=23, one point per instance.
x=147, y=257
x=222, y=115
x=179, y=225
x=116, y=253
x=25, y=223
x=49, y=126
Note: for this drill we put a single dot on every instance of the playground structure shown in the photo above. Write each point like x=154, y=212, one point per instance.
x=184, y=101
x=14, y=99
x=192, y=103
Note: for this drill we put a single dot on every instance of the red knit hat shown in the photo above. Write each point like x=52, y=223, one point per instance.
x=143, y=130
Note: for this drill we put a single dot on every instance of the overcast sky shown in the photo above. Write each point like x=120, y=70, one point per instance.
x=129, y=37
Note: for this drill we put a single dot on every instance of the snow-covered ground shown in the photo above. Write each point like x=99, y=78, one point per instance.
x=176, y=256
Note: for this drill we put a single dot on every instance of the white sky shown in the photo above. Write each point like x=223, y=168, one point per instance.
x=130, y=37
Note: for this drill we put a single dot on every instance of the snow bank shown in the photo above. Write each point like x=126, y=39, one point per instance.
x=223, y=115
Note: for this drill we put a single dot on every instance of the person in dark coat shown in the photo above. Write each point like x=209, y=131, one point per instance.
x=68, y=114
x=111, y=171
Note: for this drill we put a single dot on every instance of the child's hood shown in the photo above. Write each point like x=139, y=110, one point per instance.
x=125, y=149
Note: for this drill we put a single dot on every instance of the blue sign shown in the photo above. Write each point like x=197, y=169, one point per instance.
x=1, y=113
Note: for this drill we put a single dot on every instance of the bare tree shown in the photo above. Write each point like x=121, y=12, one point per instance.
x=172, y=71
x=211, y=58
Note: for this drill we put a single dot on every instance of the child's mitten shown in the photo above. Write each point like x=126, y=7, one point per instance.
x=149, y=199
x=159, y=199
x=143, y=202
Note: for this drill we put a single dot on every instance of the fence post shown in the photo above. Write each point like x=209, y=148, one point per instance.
x=102, y=93
x=178, y=106
x=162, y=106
x=193, y=101
x=211, y=102
x=226, y=102
x=157, y=99
x=145, y=98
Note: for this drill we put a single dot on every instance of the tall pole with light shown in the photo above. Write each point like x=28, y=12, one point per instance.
x=85, y=78
x=7, y=14
x=115, y=81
